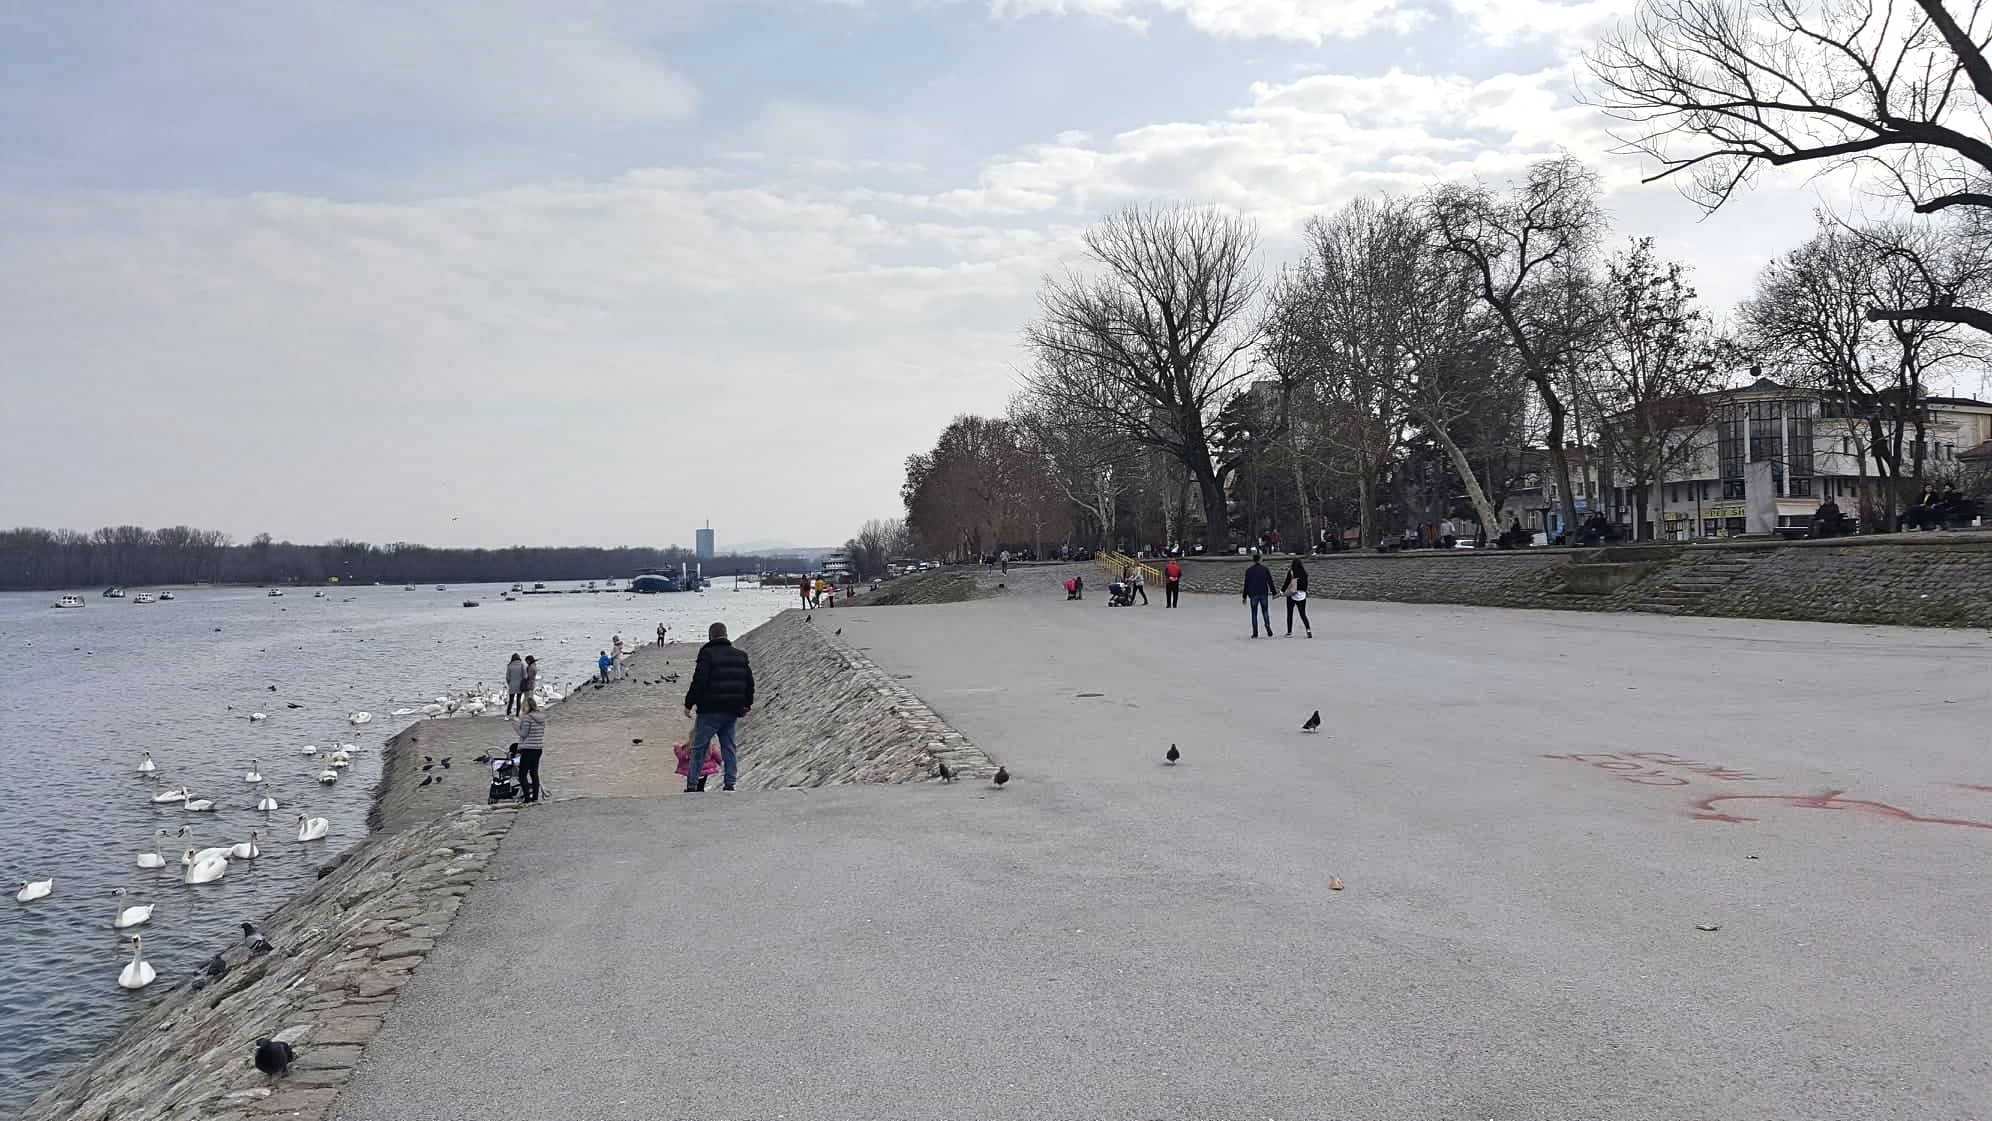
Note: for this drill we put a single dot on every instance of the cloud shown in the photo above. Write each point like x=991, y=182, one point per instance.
x=1311, y=21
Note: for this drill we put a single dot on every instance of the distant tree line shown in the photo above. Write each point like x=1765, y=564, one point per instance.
x=128, y=554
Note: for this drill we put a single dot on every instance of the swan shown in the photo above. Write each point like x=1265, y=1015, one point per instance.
x=328, y=776
x=310, y=829
x=253, y=776
x=179, y=795
x=192, y=857
x=361, y=717
x=342, y=761
x=309, y=749
x=32, y=890
x=145, y=765
x=258, y=717
x=130, y=916
x=206, y=871
x=152, y=859
x=138, y=972
x=266, y=803
x=247, y=850
x=200, y=805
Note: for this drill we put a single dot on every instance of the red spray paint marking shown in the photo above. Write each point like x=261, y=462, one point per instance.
x=1829, y=800
x=1642, y=768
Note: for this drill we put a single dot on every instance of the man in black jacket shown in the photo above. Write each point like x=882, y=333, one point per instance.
x=1259, y=595
x=722, y=692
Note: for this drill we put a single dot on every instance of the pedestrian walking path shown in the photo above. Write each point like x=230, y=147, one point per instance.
x=1533, y=816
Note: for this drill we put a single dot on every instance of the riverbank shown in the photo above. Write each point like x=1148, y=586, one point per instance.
x=825, y=715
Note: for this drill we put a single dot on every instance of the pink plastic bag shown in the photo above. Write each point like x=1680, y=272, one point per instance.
x=684, y=753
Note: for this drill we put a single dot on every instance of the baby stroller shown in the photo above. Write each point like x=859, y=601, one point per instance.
x=505, y=777
x=1120, y=593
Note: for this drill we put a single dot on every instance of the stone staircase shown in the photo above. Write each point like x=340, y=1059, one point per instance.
x=1684, y=587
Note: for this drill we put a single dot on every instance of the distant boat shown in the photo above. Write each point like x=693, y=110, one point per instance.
x=275, y=592
x=441, y=588
x=145, y=597
x=164, y=596
x=318, y=595
x=539, y=587
x=470, y=603
x=518, y=587
x=69, y=601
x=407, y=587
x=114, y=592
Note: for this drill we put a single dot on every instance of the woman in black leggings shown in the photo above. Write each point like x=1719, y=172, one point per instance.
x=1295, y=590
x=532, y=741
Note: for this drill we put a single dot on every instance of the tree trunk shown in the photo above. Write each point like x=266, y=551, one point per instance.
x=1640, y=530
x=1365, y=509
x=1483, y=510
x=1559, y=458
x=1217, y=518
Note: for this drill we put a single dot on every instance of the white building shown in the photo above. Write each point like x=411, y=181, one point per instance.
x=1770, y=453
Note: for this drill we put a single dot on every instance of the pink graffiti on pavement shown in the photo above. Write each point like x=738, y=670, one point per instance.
x=1643, y=768
x=1705, y=809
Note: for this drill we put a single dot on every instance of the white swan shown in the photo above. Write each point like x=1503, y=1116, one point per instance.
x=153, y=859
x=253, y=775
x=145, y=765
x=179, y=795
x=32, y=890
x=342, y=761
x=138, y=972
x=130, y=916
x=247, y=850
x=192, y=857
x=328, y=776
x=200, y=805
x=310, y=829
x=309, y=749
x=258, y=717
x=206, y=871
x=266, y=803
x=361, y=717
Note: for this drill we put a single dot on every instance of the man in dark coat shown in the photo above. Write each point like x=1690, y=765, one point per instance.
x=1259, y=595
x=722, y=692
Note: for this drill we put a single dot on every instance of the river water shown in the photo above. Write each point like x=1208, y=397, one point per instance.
x=92, y=688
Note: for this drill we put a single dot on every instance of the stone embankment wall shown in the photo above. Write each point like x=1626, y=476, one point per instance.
x=824, y=714
x=1936, y=580
x=344, y=948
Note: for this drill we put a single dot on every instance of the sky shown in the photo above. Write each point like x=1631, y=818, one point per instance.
x=596, y=272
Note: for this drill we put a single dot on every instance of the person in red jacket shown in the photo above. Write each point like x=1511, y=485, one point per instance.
x=1172, y=582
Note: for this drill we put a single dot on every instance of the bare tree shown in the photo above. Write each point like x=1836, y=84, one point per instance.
x=1333, y=329
x=1092, y=470
x=1645, y=381
x=1152, y=346
x=1715, y=89
x=1809, y=311
x=1529, y=254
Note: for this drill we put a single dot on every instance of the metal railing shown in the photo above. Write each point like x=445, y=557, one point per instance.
x=1115, y=562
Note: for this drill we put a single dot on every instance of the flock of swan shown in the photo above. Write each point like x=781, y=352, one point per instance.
x=198, y=865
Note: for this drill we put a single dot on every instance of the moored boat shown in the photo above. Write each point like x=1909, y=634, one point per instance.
x=69, y=601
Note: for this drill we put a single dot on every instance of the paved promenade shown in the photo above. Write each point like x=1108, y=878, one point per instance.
x=1113, y=938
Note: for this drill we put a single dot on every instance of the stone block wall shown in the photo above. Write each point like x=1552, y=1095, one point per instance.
x=824, y=714
x=1942, y=580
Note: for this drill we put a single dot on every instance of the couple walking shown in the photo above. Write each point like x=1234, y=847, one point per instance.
x=722, y=691
x=1259, y=593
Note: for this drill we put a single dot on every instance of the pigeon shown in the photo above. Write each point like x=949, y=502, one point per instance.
x=273, y=1056
x=445, y=760
x=273, y=688
x=292, y=704
x=427, y=761
x=946, y=775
x=1334, y=884
x=215, y=967
x=840, y=632
x=636, y=741
x=483, y=758
x=426, y=780
x=1313, y=723
x=1002, y=775
x=1172, y=755
x=253, y=938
